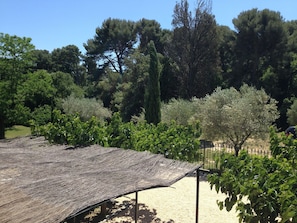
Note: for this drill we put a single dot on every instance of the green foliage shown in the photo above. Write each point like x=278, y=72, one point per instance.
x=19, y=114
x=169, y=84
x=64, y=84
x=194, y=48
x=260, y=44
x=108, y=86
x=70, y=129
x=42, y=115
x=37, y=90
x=42, y=60
x=150, y=30
x=262, y=188
x=113, y=42
x=236, y=115
x=178, y=110
x=172, y=140
x=152, y=94
x=292, y=113
x=134, y=88
x=85, y=108
x=15, y=60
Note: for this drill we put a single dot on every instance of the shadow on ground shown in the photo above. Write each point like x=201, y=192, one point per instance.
x=121, y=212
x=126, y=210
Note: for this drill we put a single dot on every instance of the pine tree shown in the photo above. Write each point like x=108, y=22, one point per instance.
x=152, y=95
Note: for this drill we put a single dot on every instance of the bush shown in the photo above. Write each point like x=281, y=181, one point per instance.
x=42, y=115
x=262, y=188
x=70, y=129
x=178, y=110
x=172, y=140
x=86, y=108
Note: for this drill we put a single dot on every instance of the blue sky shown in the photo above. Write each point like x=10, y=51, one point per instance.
x=56, y=23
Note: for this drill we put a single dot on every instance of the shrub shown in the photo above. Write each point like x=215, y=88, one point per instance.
x=42, y=115
x=263, y=189
x=172, y=140
x=70, y=129
x=86, y=108
x=178, y=110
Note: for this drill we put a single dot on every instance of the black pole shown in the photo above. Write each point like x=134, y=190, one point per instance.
x=136, y=206
x=204, y=147
x=197, y=194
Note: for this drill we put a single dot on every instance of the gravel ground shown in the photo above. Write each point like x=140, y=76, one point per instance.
x=175, y=204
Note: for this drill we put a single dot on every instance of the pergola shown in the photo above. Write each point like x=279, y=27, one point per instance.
x=41, y=182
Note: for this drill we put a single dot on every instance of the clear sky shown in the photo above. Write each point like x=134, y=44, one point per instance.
x=56, y=23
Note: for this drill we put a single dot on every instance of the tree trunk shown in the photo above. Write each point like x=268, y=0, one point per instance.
x=237, y=149
x=2, y=128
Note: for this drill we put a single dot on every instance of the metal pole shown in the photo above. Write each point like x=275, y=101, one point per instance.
x=136, y=206
x=197, y=194
x=204, y=147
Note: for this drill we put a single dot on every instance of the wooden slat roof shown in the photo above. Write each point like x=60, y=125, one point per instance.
x=41, y=183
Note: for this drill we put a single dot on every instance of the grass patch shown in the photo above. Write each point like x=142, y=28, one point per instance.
x=17, y=131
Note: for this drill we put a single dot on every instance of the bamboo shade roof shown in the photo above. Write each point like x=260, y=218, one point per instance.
x=41, y=182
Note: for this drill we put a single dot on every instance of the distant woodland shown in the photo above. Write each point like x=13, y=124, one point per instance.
x=194, y=58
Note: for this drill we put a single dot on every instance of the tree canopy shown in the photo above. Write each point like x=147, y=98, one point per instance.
x=15, y=60
x=112, y=43
x=194, y=48
x=197, y=55
x=236, y=115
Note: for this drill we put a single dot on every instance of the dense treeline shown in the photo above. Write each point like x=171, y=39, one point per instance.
x=195, y=57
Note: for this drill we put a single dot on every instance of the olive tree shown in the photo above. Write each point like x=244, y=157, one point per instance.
x=236, y=115
x=86, y=108
x=178, y=110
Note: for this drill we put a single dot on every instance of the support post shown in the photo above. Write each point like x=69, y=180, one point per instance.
x=136, y=206
x=197, y=195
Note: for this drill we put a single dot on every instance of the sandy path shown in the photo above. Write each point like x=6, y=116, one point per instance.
x=175, y=204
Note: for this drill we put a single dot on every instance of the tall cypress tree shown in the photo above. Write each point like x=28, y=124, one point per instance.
x=152, y=94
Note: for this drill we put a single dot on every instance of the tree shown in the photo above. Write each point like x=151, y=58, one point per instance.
x=37, y=90
x=108, y=86
x=67, y=59
x=227, y=40
x=15, y=59
x=42, y=60
x=64, y=84
x=169, y=84
x=133, y=87
x=113, y=42
x=194, y=48
x=85, y=108
x=152, y=95
x=236, y=115
x=260, y=44
x=148, y=30
x=178, y=110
